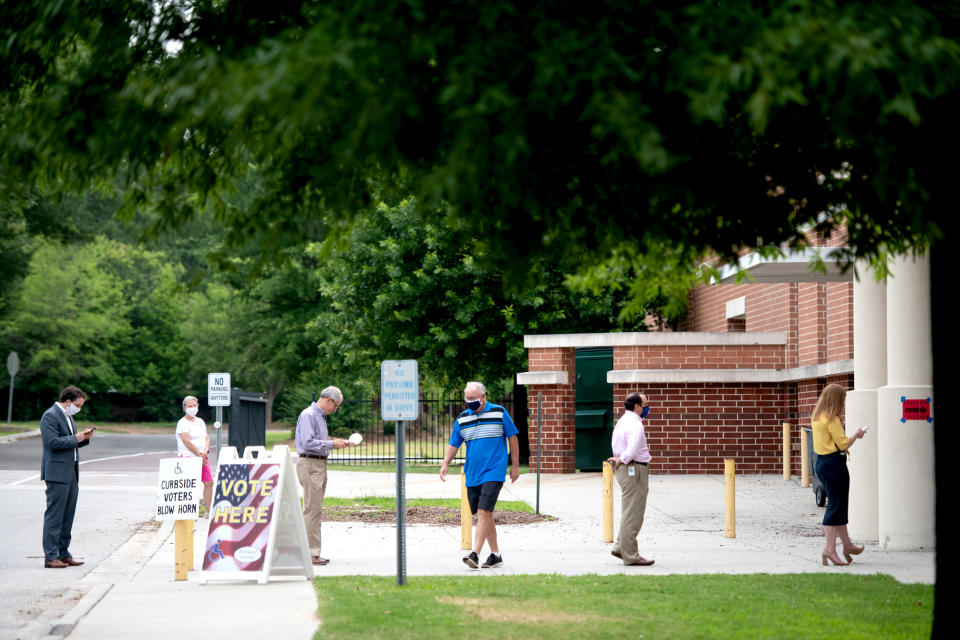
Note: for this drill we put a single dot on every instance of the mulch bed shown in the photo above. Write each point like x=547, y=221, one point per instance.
x=442, y=516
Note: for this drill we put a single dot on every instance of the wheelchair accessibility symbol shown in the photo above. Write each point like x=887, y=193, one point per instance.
x=215, y=551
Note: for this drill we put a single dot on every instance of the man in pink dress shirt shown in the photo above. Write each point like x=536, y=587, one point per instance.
x=631, y=460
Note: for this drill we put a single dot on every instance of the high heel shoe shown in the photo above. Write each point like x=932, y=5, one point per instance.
x=854, y=550
x=832, y=557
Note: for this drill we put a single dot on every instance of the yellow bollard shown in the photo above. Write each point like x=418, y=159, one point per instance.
x=607, y=502
x=804, y=460
x=786, y=450
x=182, y=548
x=466, y=518
x=729, y=475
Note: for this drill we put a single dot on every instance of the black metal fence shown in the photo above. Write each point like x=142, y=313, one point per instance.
x=425, y=439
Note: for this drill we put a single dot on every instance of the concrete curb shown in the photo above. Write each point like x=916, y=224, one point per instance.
x=137, y=551
x=13, y=437
x=66, y=624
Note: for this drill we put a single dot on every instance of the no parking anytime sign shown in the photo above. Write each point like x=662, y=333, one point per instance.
x=218, y=389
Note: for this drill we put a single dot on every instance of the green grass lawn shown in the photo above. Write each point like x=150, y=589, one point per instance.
x=387, y=448
x=432, y=450
x=803, y=606
x=390, y=467
x=388, y=503
x=22, y=425
x=278, y=437
x=387, y=467
x=111, y=427
x=18, y=427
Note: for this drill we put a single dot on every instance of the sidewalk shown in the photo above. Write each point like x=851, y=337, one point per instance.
x=134, y=593
x=777, y=528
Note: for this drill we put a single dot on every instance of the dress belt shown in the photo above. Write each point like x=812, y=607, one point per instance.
x=310, y=455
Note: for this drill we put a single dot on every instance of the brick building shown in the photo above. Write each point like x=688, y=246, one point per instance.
x=748, y=358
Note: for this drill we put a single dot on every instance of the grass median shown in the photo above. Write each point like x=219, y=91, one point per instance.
x=643, y=606
x=389, y=503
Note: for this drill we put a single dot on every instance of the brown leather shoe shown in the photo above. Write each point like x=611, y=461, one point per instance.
x=72, y=562
x=319, y=560
x=639, y=562
x=616, y=554
x=56, y=563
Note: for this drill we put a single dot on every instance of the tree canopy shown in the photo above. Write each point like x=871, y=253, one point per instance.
x=412, y=281
x=620, y=128
x=706, y=125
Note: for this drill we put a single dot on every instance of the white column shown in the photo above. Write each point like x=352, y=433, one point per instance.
x=869, y=373
x=905, y=448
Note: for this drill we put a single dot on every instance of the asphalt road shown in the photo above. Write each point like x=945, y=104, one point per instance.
x=117, y=493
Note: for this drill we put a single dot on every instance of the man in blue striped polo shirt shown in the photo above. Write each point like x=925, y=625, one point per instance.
x=486, y=428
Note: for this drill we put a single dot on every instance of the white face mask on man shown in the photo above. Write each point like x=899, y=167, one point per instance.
x=191, y=411
x=71, y=409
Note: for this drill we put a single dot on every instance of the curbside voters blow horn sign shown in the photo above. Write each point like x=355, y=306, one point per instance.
x=179, y=489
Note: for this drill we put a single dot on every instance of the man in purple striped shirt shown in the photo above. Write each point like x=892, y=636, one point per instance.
x=631, y=460
x=314, y=445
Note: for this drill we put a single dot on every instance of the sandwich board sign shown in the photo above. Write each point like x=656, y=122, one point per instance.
x=256, y=524
x=179, y=489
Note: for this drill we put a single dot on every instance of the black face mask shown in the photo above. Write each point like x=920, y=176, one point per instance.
x=473, y=406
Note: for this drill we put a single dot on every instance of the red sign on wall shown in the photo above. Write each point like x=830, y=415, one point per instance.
x=915, y=409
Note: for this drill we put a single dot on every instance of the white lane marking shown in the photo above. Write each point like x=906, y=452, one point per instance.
x=126, y=455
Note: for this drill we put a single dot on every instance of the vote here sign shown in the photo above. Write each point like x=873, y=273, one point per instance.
x=243, y=509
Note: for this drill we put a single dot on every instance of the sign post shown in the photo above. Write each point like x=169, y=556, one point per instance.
x=13, y=365
x=218, y=395
x=400, y=401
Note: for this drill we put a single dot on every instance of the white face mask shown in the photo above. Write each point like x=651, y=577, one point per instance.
x=192, y=411
x=71, y=409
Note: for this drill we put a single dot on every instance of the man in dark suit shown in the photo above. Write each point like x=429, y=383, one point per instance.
x=60, y=469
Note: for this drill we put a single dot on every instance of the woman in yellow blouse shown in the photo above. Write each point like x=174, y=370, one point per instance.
x=831, y=443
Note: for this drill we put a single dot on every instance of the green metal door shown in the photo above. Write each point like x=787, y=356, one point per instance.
x=594, y=411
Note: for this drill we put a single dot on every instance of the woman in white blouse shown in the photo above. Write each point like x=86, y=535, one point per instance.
x=193, y=441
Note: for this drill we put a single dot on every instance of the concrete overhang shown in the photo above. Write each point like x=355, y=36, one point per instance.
x=542, y=377
x=794, y=266
x=653, y=339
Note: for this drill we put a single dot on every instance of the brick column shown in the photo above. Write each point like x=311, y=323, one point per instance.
x=811, y=323
x=559, y=411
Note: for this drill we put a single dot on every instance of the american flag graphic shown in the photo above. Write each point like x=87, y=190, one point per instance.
x=225, y=538
x=231, y=473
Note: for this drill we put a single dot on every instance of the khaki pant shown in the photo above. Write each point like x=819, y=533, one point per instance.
x=633, y=491
x=312, y=474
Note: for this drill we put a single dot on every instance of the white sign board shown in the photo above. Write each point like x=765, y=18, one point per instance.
x=218, y=389
x=179, y=489
x=256, y=528
x=399, y=390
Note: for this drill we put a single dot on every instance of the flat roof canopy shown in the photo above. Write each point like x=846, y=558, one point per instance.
x=794, y=266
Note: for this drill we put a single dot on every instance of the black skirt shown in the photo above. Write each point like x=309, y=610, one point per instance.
x=832, y=471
